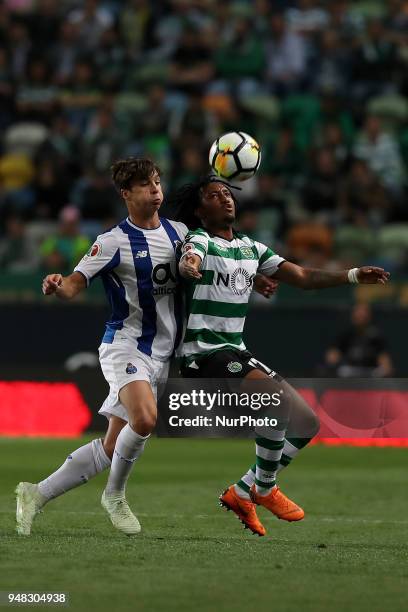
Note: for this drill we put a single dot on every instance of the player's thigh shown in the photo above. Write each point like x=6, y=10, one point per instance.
x=115, y=426
x=302, y=420
x=304, y=423
x=140, y=403
x=130, y=375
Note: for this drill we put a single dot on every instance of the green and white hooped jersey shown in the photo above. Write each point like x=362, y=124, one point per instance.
x=216, y=304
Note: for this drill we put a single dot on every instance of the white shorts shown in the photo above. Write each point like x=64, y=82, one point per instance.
x=121, y=364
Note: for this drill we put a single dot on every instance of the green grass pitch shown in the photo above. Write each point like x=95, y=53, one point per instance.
x=350, y=553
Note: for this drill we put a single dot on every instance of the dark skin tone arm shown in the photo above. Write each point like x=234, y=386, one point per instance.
x=217, y=213
x=303, y=278
x=309, y=278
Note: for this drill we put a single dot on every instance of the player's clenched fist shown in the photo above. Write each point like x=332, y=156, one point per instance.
x=371, y=274
x=189, y=267
x=51, y=283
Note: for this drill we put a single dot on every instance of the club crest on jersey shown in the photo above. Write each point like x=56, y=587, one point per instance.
x=234, y=367
x=131, y=369
x=247, y=252
x=95, y=250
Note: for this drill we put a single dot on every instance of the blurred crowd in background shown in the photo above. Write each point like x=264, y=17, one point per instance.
x=323, y=87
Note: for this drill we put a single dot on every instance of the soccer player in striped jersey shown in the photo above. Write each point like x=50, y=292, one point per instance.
x=136, y=261
x=220, y=265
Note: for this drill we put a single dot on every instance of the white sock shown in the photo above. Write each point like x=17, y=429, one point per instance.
x=129, y=446
x=81, y=465
x=243, y=486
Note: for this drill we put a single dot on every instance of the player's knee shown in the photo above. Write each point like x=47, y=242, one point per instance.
x=143, y=422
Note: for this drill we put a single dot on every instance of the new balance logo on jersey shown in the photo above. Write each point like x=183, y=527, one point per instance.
x=140, y=254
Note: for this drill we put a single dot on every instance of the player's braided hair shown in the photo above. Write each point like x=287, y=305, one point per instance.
x=127, y=171
x=187, y=199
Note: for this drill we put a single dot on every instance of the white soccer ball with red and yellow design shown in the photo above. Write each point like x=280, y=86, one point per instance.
x=235, y=156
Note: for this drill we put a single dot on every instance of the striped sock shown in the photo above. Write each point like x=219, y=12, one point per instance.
x=290, y=450
x=268, y=455
x=243, y=486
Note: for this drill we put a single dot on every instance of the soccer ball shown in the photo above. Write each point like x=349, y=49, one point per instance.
x=235, y=156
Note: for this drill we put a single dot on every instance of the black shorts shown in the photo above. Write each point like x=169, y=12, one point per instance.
x=226, y=363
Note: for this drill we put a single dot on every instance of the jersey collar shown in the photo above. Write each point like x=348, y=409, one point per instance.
x=234, y=235
x=142, y=229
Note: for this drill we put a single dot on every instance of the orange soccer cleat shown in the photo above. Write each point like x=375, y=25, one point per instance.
x=244, y=509
x=280, y=505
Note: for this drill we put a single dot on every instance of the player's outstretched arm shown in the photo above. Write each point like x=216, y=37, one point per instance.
x=308, y=278
x=64, y=287
x=189, y=266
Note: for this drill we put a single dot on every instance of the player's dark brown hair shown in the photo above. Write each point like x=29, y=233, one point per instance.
x=126, y=172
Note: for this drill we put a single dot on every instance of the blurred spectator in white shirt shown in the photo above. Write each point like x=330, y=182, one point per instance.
x=381, y=152
x=92, y=20
x=307, y=17
x=286, y=53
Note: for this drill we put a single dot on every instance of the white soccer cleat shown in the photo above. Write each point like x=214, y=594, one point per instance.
x=29, y=503
x=120, y=514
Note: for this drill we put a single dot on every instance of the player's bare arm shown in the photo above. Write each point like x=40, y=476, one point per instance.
x=64, y=287
x=308, y=278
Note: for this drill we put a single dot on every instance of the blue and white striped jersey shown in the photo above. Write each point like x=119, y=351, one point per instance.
x=139, y=271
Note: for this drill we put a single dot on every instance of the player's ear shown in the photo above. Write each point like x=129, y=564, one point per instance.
x=124, y=193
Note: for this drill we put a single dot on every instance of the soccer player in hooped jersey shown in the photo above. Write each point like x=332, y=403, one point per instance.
x=137, y=263
x=213, y=345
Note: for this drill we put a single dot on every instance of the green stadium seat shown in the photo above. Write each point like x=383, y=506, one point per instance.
x=140, y=75
x=301, y=104
x=354, y=244
x=264, y=107
x=268, y=223
x=393, y=241
x=129, y=102
x=392, y=108
x=302, y=111
x=368, y=9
